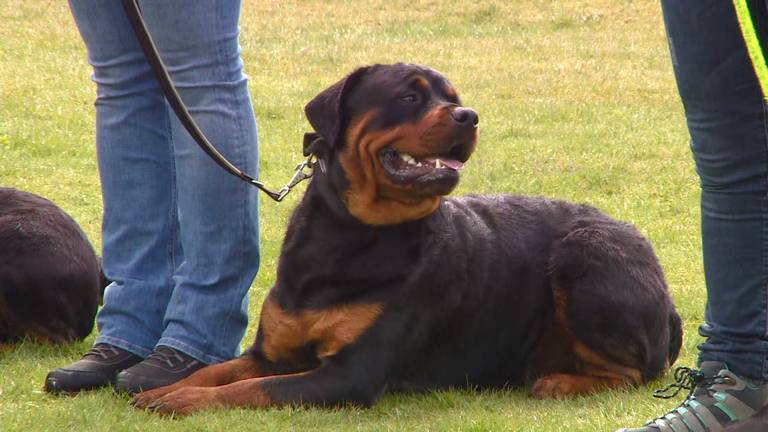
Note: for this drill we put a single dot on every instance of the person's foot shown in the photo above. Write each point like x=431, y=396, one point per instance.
x=97, y=368
x=758, y=423
x=163, y=367
x=718, y=398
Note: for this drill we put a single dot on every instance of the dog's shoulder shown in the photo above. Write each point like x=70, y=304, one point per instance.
x=496, y=214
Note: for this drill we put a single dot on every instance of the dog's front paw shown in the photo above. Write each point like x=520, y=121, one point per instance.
x=143, y=399
x=555, y=386
x=181, y=402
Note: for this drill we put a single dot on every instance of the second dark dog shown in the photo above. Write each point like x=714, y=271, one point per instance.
x=383, y=284
x=50, y=277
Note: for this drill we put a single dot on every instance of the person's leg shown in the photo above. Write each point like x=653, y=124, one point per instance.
x=726, y=119
x=136, y=168
x=217, y=213
x=727, y=122
x=213, y=220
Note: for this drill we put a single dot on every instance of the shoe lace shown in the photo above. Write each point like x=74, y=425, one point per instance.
x=103, y=351
x=688, y=379
x=685, y=379
x=167, y=356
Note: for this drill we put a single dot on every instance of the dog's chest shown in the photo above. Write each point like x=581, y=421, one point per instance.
x=286, y=334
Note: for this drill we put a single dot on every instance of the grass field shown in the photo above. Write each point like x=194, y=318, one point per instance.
x=576, y=100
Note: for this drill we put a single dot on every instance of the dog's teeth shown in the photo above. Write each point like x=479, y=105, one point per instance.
x=405, y=157
x=437, y=163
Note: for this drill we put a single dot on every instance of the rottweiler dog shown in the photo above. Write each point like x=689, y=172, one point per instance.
x=385, y=284
x=50, y=278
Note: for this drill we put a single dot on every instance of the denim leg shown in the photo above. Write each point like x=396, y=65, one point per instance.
x=180, y=236
x=207, y=312
x=727, y=123
x=136, y=170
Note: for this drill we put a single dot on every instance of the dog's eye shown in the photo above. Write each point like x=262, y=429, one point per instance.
x=409, y=98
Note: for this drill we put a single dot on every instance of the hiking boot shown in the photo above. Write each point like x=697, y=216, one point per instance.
x=757, y=423
x=164, y=366
x=717, y=398
x=97, y=368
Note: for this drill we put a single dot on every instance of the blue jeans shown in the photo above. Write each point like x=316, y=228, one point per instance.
x=726, y=119
x=179, y=235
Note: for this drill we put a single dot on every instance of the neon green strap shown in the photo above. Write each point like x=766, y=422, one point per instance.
x=753, y=44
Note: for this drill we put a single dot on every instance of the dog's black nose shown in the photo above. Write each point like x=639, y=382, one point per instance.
x=465, y=116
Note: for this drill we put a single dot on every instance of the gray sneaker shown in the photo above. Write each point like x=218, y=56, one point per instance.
x=718, y=400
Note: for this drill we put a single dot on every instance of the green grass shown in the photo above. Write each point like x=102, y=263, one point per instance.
x=576, y=100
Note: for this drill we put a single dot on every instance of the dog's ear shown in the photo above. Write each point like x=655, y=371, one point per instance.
x=313, y=143
x=325, y=112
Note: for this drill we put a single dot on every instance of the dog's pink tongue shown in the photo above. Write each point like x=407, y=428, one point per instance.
x=448, y=163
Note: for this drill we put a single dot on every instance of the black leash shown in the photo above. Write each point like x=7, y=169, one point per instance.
x=133, y=12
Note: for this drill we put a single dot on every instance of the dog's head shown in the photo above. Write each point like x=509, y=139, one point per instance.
x=398, y=135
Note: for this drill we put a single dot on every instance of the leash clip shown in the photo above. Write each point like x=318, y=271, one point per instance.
x=298, y=176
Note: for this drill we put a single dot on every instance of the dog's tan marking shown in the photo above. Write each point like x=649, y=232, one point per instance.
x=585, y=372
x=566, y=385
x=450, y=91
x=372, y=197
x=595, y=365
x=422, y=83
x=329, y=329
x=210, y=376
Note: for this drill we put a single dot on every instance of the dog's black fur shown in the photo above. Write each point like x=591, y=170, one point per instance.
x=427, y=292
x=50, y=277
